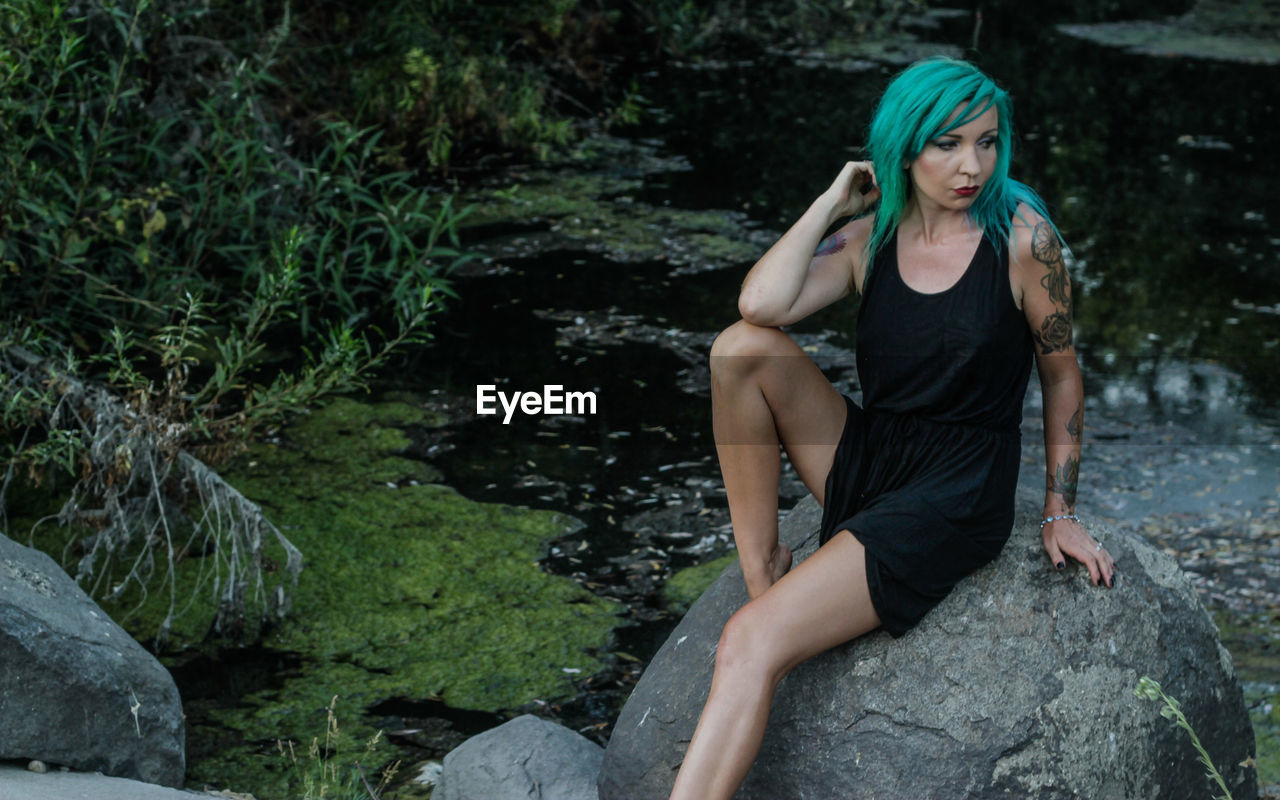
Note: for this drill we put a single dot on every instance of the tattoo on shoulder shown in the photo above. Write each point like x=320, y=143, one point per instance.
x=1063, y=481
x=1045, y=246
x=1046, y=249
x=1054, y=334
x=832, y=244
x=1075, y=425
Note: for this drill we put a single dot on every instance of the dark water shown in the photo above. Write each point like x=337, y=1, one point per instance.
x=1160, y=172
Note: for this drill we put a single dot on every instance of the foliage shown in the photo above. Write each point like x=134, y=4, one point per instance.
x=1172, y=711
x=160, y=234
x=326, y=773
x=445, y=80
x=451, y=82
x=693, y=27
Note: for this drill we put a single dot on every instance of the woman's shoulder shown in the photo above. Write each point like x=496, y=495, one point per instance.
x=858, y=230
x=1032, y=235
x=858, y=233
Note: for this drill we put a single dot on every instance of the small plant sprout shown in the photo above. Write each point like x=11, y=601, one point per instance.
x=328, y=773
x=1172, y=711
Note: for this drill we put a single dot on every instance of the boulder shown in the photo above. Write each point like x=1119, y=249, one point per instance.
x=17, y=783
x=75, y=688
x=527, y=757
x=1020, y=684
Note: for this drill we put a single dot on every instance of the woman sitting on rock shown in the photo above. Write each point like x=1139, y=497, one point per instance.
x=961, y=279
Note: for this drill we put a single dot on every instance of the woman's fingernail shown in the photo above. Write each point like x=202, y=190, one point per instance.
x=1111, y=582
x=1060, y=564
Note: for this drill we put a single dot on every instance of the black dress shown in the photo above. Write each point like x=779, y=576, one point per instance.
x=925, y=472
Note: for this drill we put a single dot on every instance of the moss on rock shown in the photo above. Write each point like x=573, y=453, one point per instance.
x=687, y=585
x=587, y=201
x=409, y=590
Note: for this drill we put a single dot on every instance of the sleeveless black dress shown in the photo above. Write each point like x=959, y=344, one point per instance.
x=925, y=472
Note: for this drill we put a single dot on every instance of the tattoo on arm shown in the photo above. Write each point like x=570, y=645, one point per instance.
x=1046, y=249
x=832, y=244
x=1075, y=425
x=1063, y=481
x=1054, y=334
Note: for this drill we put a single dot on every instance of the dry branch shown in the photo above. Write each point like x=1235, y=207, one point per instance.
x=137, y=490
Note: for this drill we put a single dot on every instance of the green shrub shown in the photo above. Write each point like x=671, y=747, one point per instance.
x=161, y=235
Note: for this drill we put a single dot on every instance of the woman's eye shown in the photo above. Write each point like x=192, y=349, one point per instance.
x=987, y=143
x=945, y=145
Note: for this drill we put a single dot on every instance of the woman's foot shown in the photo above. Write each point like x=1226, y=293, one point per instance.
x=781, y=561
x=760, y=577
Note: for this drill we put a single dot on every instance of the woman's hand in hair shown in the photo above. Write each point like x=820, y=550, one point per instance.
x=854, y=190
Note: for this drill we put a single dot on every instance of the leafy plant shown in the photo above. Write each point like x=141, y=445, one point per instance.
x=1148, y=689
x=326, y=773
x=177, y=275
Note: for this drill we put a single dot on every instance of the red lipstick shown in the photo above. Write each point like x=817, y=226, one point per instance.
x=967, y=191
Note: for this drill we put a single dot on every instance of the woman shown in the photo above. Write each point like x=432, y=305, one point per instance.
x=961, y=279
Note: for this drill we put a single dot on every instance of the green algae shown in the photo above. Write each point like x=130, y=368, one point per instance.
x=1254, y=644
x=687, y=585
x=409, y=590
x=587, y=201
x=1263, y=700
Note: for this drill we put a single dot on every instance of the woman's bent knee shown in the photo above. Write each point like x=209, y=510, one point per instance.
x=745, y=644
x=742, y=339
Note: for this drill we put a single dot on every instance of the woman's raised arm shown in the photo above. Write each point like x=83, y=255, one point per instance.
x=799, y=274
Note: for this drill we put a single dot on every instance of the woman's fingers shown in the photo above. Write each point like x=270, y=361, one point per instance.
x=871, y=173
x=1108, y=568
x=1071, y=538
x=856, y=188
x=1055, y=554
x=862, y=177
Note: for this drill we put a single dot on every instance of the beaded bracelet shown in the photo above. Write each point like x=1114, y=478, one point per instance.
x=1047, y=520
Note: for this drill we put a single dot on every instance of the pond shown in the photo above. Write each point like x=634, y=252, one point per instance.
x=1159, y=172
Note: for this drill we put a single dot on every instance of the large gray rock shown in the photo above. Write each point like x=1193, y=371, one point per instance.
x=17, y=783
x=1019, y=685
x=75, y=688
x=527, y=757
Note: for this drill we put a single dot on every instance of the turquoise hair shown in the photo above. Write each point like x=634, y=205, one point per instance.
x=913, y=112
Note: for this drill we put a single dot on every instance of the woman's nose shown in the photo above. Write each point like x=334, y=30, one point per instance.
x=970, y=164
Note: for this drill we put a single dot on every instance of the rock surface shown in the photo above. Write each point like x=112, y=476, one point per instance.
x=17, y=783
x=527, y=757
x=1020, y=684
x=75, y=688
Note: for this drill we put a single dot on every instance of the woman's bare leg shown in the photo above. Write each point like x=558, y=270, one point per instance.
x=764, y=392
x=822, y=603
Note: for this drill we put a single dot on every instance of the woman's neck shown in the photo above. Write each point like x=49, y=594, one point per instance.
x=933, y=224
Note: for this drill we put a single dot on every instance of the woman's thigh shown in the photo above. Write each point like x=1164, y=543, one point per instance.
x=808, y=413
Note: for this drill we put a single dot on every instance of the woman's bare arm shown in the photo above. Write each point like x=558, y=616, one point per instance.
x=799, y=274
x=1046, y=295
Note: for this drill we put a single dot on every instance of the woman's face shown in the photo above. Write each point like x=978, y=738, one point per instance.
x=953, y=168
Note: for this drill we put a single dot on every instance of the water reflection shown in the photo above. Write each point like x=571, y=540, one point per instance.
x=1159, y=172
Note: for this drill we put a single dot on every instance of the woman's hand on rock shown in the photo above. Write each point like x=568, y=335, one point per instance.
x=846, y=192
x=1066, y=537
